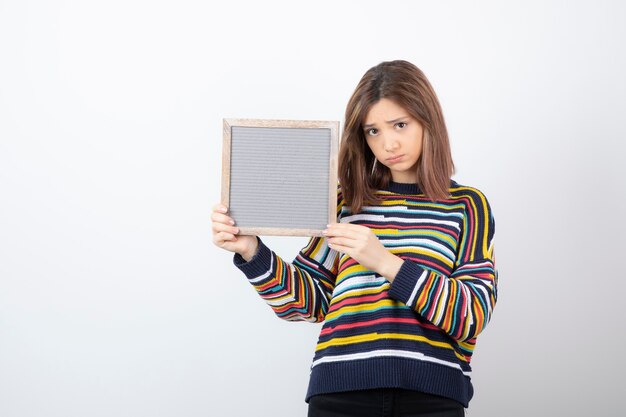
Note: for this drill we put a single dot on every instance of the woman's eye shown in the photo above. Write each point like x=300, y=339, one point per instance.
x=401, y=125
x=371, y=131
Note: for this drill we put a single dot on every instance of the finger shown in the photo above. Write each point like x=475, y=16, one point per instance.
x=220, y=227
x=339, y=248
x=343, y=242
x=219, y=207
x=332, y=230
x=222, y=218
x=342, y=232
x=346, y=228
x=223, y=237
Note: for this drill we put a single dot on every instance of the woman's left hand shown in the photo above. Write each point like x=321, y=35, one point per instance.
x=358, y=242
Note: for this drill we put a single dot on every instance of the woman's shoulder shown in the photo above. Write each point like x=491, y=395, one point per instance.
x=470, y=193
x=460, y=189
x=340, y=199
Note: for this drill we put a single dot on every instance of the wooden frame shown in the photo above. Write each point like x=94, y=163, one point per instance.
x=286, y=179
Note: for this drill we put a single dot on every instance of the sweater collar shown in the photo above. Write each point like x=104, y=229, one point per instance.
x=402, y=187
x=408, y=188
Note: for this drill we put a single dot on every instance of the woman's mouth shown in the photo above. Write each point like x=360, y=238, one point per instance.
x=395, y=159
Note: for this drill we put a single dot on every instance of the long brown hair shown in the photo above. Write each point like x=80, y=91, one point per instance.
x=406, y=85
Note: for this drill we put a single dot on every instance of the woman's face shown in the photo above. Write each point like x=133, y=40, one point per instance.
x=392, y=133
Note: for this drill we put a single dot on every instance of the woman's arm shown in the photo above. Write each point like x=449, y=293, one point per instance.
x=460, y=304
x=297, y=291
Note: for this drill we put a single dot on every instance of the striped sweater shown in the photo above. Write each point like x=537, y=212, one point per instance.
x=417, y=332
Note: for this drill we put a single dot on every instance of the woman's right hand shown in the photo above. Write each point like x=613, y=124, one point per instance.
x=225, y=234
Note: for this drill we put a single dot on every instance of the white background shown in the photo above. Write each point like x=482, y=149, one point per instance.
x=115, y=302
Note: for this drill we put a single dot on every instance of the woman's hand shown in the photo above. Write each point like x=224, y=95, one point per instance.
x=361, y=244
x=225, y=234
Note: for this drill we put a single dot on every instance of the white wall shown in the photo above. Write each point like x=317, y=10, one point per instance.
x=114, y=301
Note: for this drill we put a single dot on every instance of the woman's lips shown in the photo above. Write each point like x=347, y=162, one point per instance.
x=396, y=159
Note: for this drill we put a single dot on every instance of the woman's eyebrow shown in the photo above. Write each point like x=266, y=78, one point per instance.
x=389, y=122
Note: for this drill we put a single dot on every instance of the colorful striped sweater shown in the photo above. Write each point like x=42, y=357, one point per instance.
x=417, y=332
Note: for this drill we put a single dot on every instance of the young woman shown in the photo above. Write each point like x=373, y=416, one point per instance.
x=405, y=280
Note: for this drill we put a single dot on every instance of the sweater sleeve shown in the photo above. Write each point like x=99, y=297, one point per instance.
x=297, y=291
x=460, y=304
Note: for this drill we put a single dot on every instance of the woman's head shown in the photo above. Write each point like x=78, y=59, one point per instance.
x=394, y=111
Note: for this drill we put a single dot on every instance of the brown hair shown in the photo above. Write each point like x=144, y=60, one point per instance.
x=406, y=85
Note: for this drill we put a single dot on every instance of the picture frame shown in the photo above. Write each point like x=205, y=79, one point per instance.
x=279, y=177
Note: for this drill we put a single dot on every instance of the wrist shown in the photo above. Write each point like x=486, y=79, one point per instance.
x=251, y=252
x=391, y=266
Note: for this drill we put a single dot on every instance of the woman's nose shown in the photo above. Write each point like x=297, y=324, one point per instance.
x=390, y=144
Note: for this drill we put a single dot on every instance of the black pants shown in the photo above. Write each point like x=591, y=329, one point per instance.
x=383, y=402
